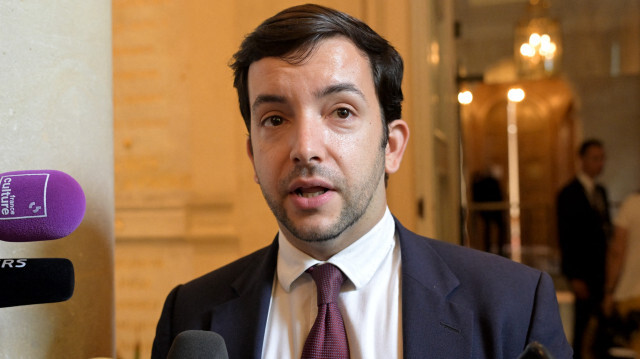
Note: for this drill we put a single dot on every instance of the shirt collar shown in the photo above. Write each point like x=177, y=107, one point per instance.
x=587, y=182
x=358, y=262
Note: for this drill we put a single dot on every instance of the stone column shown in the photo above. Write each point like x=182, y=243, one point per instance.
x=56, y=113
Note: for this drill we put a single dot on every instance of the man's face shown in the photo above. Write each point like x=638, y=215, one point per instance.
x=593, y=161
x=316, y=144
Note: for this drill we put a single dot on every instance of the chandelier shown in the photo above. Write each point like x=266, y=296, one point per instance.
x=538, y=46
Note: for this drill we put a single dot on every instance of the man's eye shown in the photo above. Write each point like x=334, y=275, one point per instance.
x=273, y=121
x=343, y=112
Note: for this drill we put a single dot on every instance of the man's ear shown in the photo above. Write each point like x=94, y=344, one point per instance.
x=398, y=139
x=250, y=155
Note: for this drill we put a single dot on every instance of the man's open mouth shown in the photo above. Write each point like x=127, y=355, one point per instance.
x=310, y=192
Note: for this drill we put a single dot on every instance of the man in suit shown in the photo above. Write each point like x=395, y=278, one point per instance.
x=320, y=93
x=584, y=227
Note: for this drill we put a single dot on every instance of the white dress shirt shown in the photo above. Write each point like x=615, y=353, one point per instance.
x=628, y=286
x=588, y=183
x=369, y=299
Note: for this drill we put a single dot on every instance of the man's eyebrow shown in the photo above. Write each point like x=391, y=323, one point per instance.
x=340, y=87
x=267, y=99
x=336, y=88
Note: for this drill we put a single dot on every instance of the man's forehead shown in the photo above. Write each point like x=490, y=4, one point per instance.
x=333, y=46
x=594, y=150
x=334, y=62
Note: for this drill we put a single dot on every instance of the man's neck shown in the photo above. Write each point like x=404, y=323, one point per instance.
x=323, y=250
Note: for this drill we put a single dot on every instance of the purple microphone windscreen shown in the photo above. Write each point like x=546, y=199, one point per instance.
x=25, y=281
x=39, y=205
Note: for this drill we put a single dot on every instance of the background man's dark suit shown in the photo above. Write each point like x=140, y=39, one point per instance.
x=456, y=303
x=583, y=233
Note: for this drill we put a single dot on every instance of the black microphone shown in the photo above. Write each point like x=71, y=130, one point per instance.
x=198, y=344
x=535, y=350
x=35, y=281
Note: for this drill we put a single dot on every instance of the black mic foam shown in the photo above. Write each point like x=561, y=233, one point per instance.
x=35, y=281
x=535, y=350
x=198, y=344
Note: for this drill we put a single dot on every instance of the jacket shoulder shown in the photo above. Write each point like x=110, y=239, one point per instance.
x=217, y=285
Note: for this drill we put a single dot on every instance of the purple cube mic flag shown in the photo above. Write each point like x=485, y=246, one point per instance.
x=39, y=205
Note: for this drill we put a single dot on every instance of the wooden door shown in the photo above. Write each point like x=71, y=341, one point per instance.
x=545, y=160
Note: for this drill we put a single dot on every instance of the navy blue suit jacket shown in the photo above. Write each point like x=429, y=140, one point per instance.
x=456, y=303
x=583, y=234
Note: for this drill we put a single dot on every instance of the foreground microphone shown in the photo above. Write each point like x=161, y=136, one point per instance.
x=535, y=350
x=35, y=281
x=198, y=344
x=39, y=205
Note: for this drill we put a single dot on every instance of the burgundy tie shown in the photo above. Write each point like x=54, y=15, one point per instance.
x=327, y=338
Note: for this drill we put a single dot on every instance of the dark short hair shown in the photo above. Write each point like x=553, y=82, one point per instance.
x=293, y=34
x=592, y=142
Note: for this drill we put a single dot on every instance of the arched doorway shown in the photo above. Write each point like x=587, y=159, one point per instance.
x=545, y=133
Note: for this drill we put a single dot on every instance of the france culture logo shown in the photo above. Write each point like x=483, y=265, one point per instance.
x=17, y=204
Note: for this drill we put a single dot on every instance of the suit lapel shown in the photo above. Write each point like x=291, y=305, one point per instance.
x=242, y=320
x=432, y=326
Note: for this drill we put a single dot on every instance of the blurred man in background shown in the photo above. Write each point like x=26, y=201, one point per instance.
x=584, y=227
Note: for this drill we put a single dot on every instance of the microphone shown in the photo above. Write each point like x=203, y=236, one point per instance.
x=35, y=281
x=198, y=344
x=535, y=350
x=39, y=205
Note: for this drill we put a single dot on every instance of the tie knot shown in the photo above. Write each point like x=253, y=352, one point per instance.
x=328, y=280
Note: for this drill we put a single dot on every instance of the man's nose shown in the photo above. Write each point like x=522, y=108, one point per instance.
x=307, y=142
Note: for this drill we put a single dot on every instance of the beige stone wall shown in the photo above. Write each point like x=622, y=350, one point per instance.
x=56, y=113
